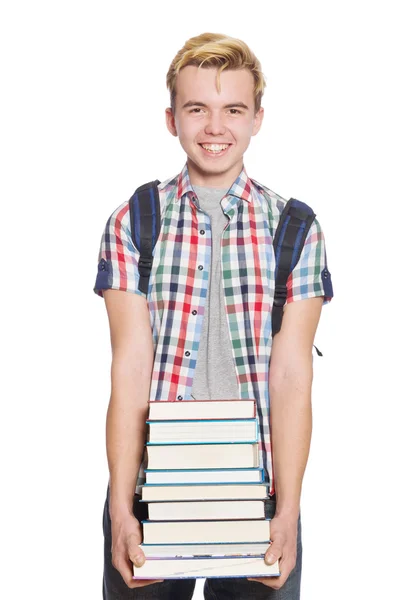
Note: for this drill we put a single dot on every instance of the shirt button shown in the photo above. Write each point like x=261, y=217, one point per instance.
x=200, y=267
x=194, y=312
x=187, y=353
x=202, y=231
x=179, y=397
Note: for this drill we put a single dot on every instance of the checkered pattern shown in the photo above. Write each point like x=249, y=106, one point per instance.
x=179, y=282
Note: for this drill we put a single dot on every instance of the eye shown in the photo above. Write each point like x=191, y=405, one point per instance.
x=236, y=111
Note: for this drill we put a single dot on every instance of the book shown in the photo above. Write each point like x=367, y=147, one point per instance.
x=161, y=493
x=209, y=550
x=252, y=566
x=202, y=523
x=203, y=456
x=202, y=409
x=193, y=431
x=204, y=510
x=185, y=532
x=197, y=476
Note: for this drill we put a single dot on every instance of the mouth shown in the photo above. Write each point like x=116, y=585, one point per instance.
x=216, y=150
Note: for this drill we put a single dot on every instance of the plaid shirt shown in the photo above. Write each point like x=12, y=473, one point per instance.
x=179, y=282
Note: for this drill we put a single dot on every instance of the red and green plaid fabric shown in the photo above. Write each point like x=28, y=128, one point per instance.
x=179, y=281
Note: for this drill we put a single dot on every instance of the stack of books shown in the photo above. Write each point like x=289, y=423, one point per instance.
x=205, y=492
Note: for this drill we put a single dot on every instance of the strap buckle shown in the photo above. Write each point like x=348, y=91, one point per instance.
x=145, y=265
x=280, y=295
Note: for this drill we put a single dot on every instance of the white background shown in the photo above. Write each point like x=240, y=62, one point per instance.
x=82, y=125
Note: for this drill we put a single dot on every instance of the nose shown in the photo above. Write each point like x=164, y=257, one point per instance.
x=214, y=124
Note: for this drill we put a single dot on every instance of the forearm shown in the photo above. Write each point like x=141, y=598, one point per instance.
x=126, y=434
x=291, y=427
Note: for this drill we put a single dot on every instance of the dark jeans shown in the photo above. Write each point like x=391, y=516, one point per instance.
x=228, y=588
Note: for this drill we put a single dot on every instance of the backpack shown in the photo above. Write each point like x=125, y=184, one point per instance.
x=294, y=224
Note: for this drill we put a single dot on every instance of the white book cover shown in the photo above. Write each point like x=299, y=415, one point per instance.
x=185, y=532
x=206, y=567
x=200, y=476
x=161, y=493
x=208, y=550
x=210, y=431
x=202, y=409
x=235, y=509
x=203, y=456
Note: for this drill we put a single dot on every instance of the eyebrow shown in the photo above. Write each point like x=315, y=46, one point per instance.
x=232, y=105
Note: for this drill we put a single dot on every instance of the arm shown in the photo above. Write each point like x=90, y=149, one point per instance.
x=131, y=370
x=290, y=382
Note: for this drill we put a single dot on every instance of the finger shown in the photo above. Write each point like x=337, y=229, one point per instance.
x=124, y=567
x=264, y=579
x=273, y=582
x=143, y=582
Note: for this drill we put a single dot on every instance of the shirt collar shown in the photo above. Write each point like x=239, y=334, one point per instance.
x=241, y=188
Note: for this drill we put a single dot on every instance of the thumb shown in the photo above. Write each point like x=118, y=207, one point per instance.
x=273, y=554
x=136, y=555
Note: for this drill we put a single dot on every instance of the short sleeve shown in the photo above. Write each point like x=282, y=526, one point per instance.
x=118, y=258
x=311, y=277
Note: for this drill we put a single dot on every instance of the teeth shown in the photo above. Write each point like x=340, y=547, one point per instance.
x=215, y=147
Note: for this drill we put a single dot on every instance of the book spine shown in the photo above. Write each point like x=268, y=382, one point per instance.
x=190, y=484
x=203, y=470
x=201, y=443
x=199, y=420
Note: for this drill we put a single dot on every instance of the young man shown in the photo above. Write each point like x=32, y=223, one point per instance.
x=204, y=329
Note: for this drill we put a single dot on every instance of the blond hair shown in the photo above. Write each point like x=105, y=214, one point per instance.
x=217, y=50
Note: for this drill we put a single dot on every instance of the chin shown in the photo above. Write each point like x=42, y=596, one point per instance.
x=210, y=166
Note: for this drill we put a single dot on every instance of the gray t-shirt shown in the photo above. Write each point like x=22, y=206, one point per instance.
x=215, y=375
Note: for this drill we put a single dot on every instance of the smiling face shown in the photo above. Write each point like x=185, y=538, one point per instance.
x=204, y=117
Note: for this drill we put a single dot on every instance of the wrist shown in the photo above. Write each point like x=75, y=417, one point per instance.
x=287, y=511
x=119, y=509
x=287, y=502
x=118, y=517
x=290, y=516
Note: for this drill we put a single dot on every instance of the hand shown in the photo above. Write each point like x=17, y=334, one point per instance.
x=283, y=535
x=126, y=535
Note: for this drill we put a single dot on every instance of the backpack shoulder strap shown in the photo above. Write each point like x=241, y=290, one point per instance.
x=295, y=222
x=144, y=207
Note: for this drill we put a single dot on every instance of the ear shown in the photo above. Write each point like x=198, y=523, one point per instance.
x=258, y=120
x=170, y=121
